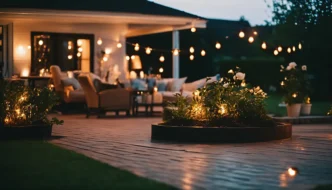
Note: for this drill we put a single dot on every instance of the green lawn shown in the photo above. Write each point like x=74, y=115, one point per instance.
x=272, y=102
x=41, y=165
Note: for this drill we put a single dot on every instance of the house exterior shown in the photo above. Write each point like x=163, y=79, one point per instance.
x=34, y=33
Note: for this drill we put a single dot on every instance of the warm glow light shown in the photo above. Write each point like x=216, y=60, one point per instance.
x=99, y=41
x=280, y=49
x=51, y=86
x=241, y=34
x=176, y=52
x=243, y=84
x=69, y=47
x=282, y=83
x=275, y=52
x=6, y=120
x=78, y=54
x=162, y=58
x=41, y=72
x=105, y=58
x=263, y=45
x=108, y=51
x=255, y=33
x=25, y=72
x=223, y=109
x=119, y=45
x=40, y=42
x=231, y=71
x=218, y=45
x=191, y=50
x=20, y=50
x=80, y=42
x=70, y=74
x=251, y=39
x=191, y=57
x=80, y=49
x=70, y=56
x=141, y=74
x=193, y=29
x=155, y=89
x=18, y=111
x=300, y=46
x=29, y=47
x=294, y=49
x=161, y=70
x=136, y=47
x=127, y=58
x=307, y=101
x=289, y=50
x=203, y=53
x=291, y=172
x=196, y=93
x=294, y=95
x=148, y=50
x=132, y=57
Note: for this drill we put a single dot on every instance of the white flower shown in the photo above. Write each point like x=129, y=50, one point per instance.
x=231, y=71
x=304, y=68
x=234, y=77
x=240, y=76
x=289, y=68
x=281, y=66
x=226, y=85
x=292, y=65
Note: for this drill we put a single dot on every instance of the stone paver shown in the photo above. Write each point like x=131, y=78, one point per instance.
x=125, y=143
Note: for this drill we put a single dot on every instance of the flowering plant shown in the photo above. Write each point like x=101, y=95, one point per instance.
x=296, y=84
x=227, y=102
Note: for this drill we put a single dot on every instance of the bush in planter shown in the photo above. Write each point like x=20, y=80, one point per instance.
x=24, y=106
x=227, y=102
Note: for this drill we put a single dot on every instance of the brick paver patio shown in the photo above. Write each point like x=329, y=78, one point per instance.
x=125, y=143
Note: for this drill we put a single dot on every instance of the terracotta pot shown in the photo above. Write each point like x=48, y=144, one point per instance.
x=306, y=109
x=294, y=110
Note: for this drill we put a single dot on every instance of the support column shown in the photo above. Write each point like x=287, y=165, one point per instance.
x=176, y=58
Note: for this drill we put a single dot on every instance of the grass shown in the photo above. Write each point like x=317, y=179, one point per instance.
x=41, y=165
x=272, y=102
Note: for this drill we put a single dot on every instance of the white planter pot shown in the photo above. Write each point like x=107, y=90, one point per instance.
x=306, y=109
x=294, y=110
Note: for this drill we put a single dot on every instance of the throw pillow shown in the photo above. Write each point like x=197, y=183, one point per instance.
x=176, y=84
x=71, y=82
x=161, y=85
x=151, y=83
x=138, y=84
x=100, y=86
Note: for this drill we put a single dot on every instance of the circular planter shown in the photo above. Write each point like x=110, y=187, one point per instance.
x=306, y=109
x=26, y=132
x=294, y=110
x=197, y=134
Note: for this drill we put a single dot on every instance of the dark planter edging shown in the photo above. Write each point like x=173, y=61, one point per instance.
x=305, y=120
x=197, y=134
x=26, y=132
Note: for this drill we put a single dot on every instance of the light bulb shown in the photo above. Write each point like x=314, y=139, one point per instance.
x=294, y=49
x=80, y=49
x=280, y=49
x=148, y=50
x=136, y=47
x=105, y=58
x=275, y=52
x=162, y=58
x=40, y=42
x=251, y=39
x=191, y=57
x=243, y=84
x=289, y=50
x=70, y=56
x=263, y=45
x=108, y=51
x=175, y=52
x=29, y=47
x=294, y=95
x=241, y=34
x=218, y=45
x=255, y=33
x=80, y=42
x=127, y=58
x=191, y=50
x=69, y=47
x=300, y=46
x=282, y=83
x=99, y=41
x=161, y=70
x=79, y=54
x=203, y=53
x=132, y=57
x=193, y=29
x=119, y=45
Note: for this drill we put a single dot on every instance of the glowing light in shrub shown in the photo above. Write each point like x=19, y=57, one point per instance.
x=243, y=84
x=307, y=101
x=222, y=109
x=292, y=171
x=294, y=95
x=282, y=83
x=193, y=29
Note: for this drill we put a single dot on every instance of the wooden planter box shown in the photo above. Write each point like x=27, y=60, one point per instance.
x=40, y=131
x=198, y=134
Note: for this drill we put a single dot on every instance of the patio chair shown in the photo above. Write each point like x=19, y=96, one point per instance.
x=119, y=99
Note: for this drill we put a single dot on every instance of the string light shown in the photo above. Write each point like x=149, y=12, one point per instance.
x=300, y=46
x=127, y=58
x=251, y=39
x=255, y=33
x=291, y=171
x=99, y=41
x=279, y=48
x=132, y=57
x=79, y=42
x=294, y=49
x=80, y=49
x=289, y=50
x=78, y=54
x=70, y=56
x=162, y=58
x=29, y=47
x=175, y=52
x=191, y=57
x=218, y=45
x=40, y=42
x=136, y=47
x=263, y=45
x=105, y=58
x=243, y=84
x=203, y=53
x=119, y=45
x=191, y=50
x=193, y=29
x=294, y=95
x=275, y=52
x=161, y=70
x=108, y=51
x=282, y=83
x=148, y=50
x=241, y=34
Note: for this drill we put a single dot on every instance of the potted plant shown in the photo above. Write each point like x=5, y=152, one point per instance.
x=306, y=107
x=295, y=88
x=26, y=111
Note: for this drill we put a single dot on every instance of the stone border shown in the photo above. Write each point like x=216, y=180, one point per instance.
x=26, y=132
x=198, y=134
x=304, y=119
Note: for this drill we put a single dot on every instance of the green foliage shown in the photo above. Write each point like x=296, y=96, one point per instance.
x=227, y=102
x=25, y=106
x=330, y=111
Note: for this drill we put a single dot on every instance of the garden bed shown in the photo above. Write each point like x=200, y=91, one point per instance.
x=40, y=131
x=199, y=134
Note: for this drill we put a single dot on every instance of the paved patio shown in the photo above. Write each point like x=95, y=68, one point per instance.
x=125, y=143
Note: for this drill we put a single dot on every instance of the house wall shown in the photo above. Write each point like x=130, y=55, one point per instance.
x=109, y=33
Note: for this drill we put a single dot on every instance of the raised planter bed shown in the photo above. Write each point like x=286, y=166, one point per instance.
x=197, y=134
x=26, y=132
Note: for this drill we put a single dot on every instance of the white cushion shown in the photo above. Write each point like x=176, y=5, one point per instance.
x=176, y=84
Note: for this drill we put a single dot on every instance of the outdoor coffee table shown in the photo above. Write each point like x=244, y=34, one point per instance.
x=148, y=105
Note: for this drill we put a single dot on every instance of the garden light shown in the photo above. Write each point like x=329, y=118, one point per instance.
x=223, y=109
x=280, y=49
x=218, y=45
x=282, y=83
x=203, y=53
x=241, y=34
x=191, y=50
x=289, y=50
x=161, y=58
x=191, y=57
x=275, y=52
x=294, y=95
x=263, y=45
x=251, y=39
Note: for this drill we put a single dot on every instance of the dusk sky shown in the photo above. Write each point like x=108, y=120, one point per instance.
x=255, y=11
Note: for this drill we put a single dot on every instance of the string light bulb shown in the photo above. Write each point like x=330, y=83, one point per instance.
x=136, y=47
x=280, y=49
x=70, y=56
x=176, y=52
x=294, y=48
x=161, y=70
x=191, y=57
x=275, y=52
x=263, y=45
x=29, y=47
x=289, y=50
x=161, y=58
x=251, y=39
x=241, y=34
x=105, y=58
x=243, y=84
x=108, y=51
x=148, y=50
x=99, y=41
x=132, y=57
x=294, y=95
x=300, y=46
x=119, y=45
x=79, y=54
x=40, y=42
x=127, y=58
x=255, y=33
x=218, y=45
x=79, y=42
x=80, y=49
x=193, y=29
x=191, y=50
x=203, y=53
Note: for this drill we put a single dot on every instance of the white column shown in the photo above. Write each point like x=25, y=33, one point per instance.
x=176, y=62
